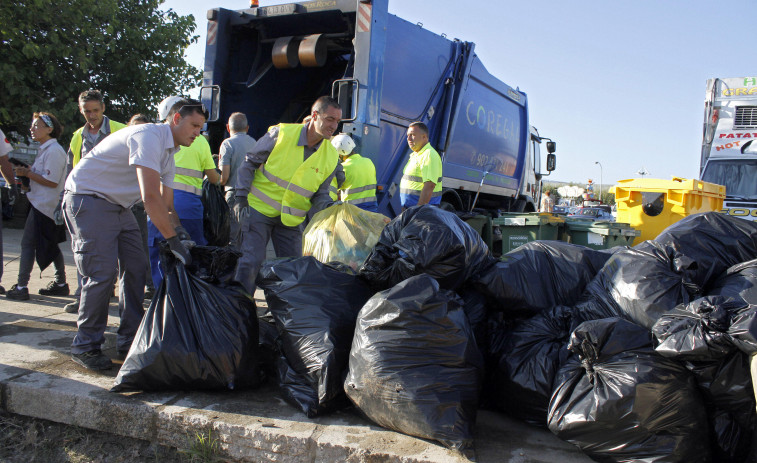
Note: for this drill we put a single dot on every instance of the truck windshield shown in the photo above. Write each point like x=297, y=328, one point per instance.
x=738, y=176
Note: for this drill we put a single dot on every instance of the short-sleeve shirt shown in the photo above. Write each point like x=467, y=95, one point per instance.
x=5, y=145
x=50, y=163
x=233, y=151
x=109, y=170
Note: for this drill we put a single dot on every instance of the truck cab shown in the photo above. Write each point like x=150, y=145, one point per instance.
x=729, y=147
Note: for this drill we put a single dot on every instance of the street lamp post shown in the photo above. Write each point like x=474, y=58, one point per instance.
x=600, y=179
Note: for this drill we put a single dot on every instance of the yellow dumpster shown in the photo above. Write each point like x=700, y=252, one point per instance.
x=650, y=205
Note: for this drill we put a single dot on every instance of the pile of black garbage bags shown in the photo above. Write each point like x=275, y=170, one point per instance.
x=632, y=354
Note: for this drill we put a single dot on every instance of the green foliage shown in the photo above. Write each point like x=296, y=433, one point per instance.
x=54, y=49
x=203, y=449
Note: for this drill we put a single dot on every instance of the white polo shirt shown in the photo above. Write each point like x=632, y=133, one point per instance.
x=50, y=163
x=109, y=172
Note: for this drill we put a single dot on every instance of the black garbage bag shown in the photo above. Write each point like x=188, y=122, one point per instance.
x=707, y=244
x=539, y=275
x=639, y=284
x=620, y=401
x=476, y=309
x=519, y=382
x=314, y=306
x=216, y=216
x=426, y=239
x=414, y=366
x=738, y=281
x=698, y=330
x=198, y=333
x=697, y=335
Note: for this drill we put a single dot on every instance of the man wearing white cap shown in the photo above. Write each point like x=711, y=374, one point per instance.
x=134, y=163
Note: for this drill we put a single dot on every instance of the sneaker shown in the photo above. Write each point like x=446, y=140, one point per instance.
x=72, y=307
x=55, y=289
x=2, y=289
x=93, y=360
x=18, y=294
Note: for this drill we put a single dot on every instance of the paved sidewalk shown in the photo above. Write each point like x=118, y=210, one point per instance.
x=38, y=379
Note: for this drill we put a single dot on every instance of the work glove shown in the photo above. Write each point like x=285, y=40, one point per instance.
x=241, y=209
x=182, y=233
x=179, y=250
x=58, y=214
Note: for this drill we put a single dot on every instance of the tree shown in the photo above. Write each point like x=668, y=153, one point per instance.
x=54, y=49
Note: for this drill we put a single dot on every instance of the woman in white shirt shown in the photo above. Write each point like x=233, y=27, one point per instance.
x=41, y=235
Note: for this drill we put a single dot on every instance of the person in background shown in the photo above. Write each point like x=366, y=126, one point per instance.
x=95, y=129
x=193, y=162
x=41, y=234
x=359, y=186
x=139, y=119
x=139, y=213
x=6, y=168
x=284, y=179
x=547, y=203
x=422, y=177
x=233, y=151
x=134, y=163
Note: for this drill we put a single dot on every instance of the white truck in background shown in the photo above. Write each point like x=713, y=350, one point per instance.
x=729, y=144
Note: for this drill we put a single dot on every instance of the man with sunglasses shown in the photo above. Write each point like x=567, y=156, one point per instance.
x=193, y=163
x=284, y=179
x=134, y=163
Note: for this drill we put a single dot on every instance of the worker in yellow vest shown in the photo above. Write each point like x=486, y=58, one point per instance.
x=359, y=187
x=284, y=179
x=422, y=177
x=97, y=127
x=193, y=163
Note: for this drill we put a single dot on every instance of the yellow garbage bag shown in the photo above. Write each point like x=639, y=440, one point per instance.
x=343, y=233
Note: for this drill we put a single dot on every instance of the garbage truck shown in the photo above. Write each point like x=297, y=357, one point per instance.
x=272, y=62
x=729, y=142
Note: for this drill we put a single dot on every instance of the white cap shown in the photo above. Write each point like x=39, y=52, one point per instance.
x=343, y=144
x=165, y=106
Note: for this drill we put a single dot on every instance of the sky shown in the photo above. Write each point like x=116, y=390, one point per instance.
x=620, y=83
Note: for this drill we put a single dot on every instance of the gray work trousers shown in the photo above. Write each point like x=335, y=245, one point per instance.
x=139, y=213
x=235, y=238
x=257, y=229
x=104, y=237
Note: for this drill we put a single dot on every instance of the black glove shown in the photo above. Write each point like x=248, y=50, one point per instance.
x=179, y=250
x=182, y=233
x=241, y=209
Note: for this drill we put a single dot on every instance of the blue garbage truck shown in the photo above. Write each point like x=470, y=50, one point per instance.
x=272, y=62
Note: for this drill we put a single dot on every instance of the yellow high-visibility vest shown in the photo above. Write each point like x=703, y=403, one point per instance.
x=78, y=139
x=285, y=183
x=359, y=180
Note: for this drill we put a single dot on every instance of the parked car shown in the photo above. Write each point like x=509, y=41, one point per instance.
x=594, y=214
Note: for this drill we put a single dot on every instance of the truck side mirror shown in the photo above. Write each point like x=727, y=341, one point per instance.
x=211, y=98
x=551, y=147
x=551, y=160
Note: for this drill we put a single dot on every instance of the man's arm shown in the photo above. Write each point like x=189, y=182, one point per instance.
x=213, y=176
x=6, y=168
x=224, y=158
x=426, y=192
x=253, y=160
x=156, y=204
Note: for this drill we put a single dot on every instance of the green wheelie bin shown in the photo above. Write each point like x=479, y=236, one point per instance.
x=520, y=228
x=599, y=235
